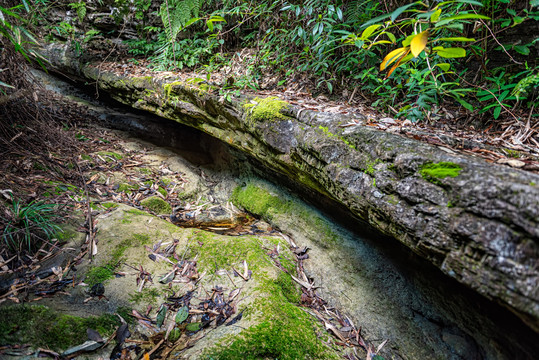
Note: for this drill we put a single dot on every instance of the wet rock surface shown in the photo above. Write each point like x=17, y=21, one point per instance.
x=480, y=227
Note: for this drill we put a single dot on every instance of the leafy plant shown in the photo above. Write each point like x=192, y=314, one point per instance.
x=80, y=8
x=29, y=224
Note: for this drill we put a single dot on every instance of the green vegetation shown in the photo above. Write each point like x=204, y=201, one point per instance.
x=27, y=226
x=42, y=327
x=146, y=296
x=118, y=252
x=99, y=274
x=260, y=202
x=434, y=171
x=266, y=109
x=330, y=134
x=291, y=333
x=157, y=205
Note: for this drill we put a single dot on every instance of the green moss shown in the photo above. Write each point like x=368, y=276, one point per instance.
x=66, y=234
x=109, y=205
x=166, y=181
x=392, y=199
x=162, y=191
x=124, y=187
x=218, y=251
x=434, y=171
x=330, y=134
x=86, y=157
x=370, y=166
x=125, y=313
x=266, y=109
x=450, y=204
x=287, y=333
x=511, y=153
x=99, y=274
x=157, y=205
x=261, y=202
x=168, y=87
x=135, y=212
x=532, y=183
x=147, y=295
x=42, y=327
x=288, y=287
x=118, y=252
x=145, y=171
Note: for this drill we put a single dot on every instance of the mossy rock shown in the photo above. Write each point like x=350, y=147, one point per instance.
x=262, y=202
x=157, y=205
x=272, y=323
x=40, y=326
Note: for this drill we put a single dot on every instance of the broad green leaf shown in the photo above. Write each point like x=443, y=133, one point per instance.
x=449, y=19
x=449, y=53
x=418, y=43
x=435, y=16
x=455, y=39
x=534, y=3
x=497, y=112
x=174, y=335
x=395, y=14
x=466, y=104
x=408, y=40
x=161, y=316
x=368, y=31
x=472, y=2
x=392, y=57
x=517, y=20
x=194, y=326
x=524, y=50
x=391, y=36
x=375, y=20
x=444, y=66
x=182, y=315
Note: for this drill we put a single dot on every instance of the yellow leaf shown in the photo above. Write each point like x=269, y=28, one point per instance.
x=402, y=60
x=392, y=57
x=419, y=42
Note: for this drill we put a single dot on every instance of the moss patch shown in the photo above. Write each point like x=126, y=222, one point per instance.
x=99, y=274
x=148, y=295
x=124, y=187
x=157, y=205
x=118, y=253
x=266, y=109
x=109, y=205
x=289, y=333
x=434, y=171
x=42, y=327
x=218, y=251
x=261, y=202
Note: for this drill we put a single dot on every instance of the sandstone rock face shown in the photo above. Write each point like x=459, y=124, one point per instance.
x=478, y=222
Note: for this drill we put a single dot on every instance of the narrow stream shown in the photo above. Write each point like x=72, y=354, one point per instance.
x=380, y=284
